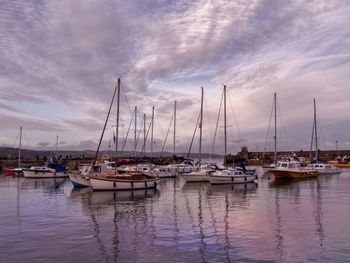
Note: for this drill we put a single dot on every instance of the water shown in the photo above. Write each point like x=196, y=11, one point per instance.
x=44, y=220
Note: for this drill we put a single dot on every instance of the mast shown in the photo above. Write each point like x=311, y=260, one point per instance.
x=174, y=127
x=152, y=123
x=315, y=125
x=275, y=136
x=144, y=133
x=225, y=125
x=336, y=146
x=117, y=126
x=201, y=128
x=20, y=147
x=57, y=146
x=135, y=143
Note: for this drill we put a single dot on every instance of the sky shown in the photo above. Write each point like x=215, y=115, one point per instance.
x=60, y=61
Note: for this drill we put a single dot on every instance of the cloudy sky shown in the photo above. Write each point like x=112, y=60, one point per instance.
x=60, y=61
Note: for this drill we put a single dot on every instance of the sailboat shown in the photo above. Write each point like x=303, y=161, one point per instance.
x=268, y=167
x=290, y=169
x=321, y=168
x=51, y=169
x=126, y=181
x=233, y=175
x=201, y=174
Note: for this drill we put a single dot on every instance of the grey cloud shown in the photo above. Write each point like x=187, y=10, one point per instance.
x=256, y=47
x=43, y=144
x=13, y=122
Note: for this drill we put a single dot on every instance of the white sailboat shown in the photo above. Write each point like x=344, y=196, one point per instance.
x=200, y=175
x=232, y=175
x=82, y=178
x=321, y=168
x=50, y=170
x=273, y=165
x=126, y=181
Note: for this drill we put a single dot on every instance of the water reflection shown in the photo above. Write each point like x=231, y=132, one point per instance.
x=113, y=209
x=298, y=190
x=51, y=184
x=232, y=188
x=195, y=222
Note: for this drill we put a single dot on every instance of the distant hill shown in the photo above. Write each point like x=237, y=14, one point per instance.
x=12, y=153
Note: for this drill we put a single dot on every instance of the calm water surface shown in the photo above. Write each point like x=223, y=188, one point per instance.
x=44, y=220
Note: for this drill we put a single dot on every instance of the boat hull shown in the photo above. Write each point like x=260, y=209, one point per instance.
x=9, y=172
x=293, y=174
x=195, y=177
x=44, y=174
x=231, y=179
x=101, y=183
x=78, y=180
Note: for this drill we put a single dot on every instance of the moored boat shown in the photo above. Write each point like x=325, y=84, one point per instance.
x=340, y=162
x=323, y=168
x=235, y=175
x=201, y=174
x=50, y=170
x=128, y=181
x=291, y=169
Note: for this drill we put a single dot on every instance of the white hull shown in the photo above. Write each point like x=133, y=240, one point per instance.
x=44, y=174
x=323, y=168
x=78, y=180
x=109, y=184
x=195, y=177
x=166, y=175
x=175, y=169
x=335, y=171
x=231, y=179
x=164, y=172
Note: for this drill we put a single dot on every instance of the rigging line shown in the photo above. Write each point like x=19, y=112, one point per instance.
x=104, y=128
x=267, y=134
x=126, y=98
x=217, y=125
x=149, y=127
x=319, y=125
x=312, y=136
x=235, y=119
x=189, y=150
x=138, y=136
x=127, y=134
x=25, y=138
x=207, y=119
x=283, y=126
x=15, y=141
x=166, y=137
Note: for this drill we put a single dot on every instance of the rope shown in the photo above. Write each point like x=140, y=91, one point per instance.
x=235, y=119
x=189, y=150
x=217, y=125
x=127, y=135
x=267, y=135
x=166, y=137
x=138, y=136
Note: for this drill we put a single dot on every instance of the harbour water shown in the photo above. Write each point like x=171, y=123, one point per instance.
x=45, y=220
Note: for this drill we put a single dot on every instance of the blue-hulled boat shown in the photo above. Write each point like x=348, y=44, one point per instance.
x=49, y=170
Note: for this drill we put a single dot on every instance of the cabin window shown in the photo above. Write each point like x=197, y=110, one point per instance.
x=284, y=165
x=97, y=169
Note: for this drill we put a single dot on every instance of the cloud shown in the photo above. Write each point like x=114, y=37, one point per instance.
x=43, y=144
x=61, y=61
